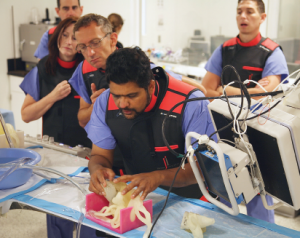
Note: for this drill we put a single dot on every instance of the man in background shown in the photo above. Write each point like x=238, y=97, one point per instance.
x=64, y=9
x=255, y=58
x=96, y=41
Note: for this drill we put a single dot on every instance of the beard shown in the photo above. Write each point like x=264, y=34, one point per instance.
x=136, y=113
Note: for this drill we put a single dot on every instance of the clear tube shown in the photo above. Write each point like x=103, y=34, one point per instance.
x=21, y=163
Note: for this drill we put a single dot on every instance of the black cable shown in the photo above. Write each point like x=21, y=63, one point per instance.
x=166, y=201
x=244, y=92
x=200, y=99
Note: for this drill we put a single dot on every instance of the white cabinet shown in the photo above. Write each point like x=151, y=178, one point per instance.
x=17, y=98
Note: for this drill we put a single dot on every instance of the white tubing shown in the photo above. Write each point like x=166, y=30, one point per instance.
x=235, y=209
x=264, y=201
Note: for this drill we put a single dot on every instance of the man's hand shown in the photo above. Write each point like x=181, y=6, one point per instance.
x=98, y=178
x=145, y=182
x=220, y=89
x=61, y=90
x=263, y=82
x=95, y=93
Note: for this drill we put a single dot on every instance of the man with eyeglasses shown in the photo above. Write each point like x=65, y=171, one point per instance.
x=96, y=42
x=64, y=9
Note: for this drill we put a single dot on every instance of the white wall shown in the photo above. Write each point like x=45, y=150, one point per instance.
x=181, y=17
x=128, y=9
x=22, y=10
x=289, y=22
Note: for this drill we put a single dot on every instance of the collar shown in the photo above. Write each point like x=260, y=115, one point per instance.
x=153, y=98
x=65, y=64
x=253, y=42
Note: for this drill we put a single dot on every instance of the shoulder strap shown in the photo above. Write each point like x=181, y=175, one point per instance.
x=268, y=43
x=230, y=42
x=87, y=68
x=51, y=31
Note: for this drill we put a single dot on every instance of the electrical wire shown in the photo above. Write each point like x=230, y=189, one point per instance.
x=167, y=197
x=235, y=119
x=169, y=191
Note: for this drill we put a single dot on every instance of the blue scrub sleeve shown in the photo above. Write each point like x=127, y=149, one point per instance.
x=31, y=85
x=78, y=84
x=97, y=129
x=196, y=118
x=276, y=65
x=214, y=64
x=174, y=75
x=42, y=49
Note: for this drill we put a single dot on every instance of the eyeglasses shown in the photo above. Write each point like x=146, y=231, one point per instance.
x=81, y=48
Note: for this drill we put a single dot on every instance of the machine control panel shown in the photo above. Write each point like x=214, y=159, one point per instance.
x=48, y=142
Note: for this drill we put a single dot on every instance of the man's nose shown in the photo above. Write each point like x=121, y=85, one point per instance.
x=71, y=13
x=243, y=14
x=123, y=103
x=90, y=51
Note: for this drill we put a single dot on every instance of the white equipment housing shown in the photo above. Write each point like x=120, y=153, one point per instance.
x=272, y=144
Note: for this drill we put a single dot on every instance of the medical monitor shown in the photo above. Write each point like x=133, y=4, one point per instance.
x=276, y=144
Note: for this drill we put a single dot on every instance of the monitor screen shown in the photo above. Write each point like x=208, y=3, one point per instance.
x=268, y=156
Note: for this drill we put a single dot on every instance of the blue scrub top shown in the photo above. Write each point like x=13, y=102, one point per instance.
x=42, y=49
x=31, y=84
x=196, y=118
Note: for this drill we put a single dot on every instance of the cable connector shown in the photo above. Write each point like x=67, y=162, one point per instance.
x=203, y=139
x=190, y=151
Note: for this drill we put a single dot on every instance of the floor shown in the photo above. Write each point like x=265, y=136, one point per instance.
x=31, y=224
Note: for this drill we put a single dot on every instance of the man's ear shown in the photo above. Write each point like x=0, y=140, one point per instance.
x=81, y=10
x=151, y=87
x=263, y=17
x=113, y=38
x=57, y=11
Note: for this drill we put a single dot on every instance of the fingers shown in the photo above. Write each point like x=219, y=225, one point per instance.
x=264, y=82
x=93, y=88
x=124, y=178
x=110, y=175
x=95, y=183
x=98, y=180
x=143, y=186
x=96, y=94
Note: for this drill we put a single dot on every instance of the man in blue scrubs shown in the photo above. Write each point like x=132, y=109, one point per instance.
x=96, y=42
x=64, y=9
x=130, y=114
x=255, y=58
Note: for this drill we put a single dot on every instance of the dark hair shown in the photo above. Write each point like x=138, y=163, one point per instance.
x=86, y=20
x=116, y=21
x=129, y=65
x=58, y=3
x=260, y=5
x=53, y=45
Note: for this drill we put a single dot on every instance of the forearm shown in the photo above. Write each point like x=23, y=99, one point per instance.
x=37, y=110
x=184, y=177
x=194, y=83
x=237, y=91
x=84, y=115
x=98, y=161
x=212, y=93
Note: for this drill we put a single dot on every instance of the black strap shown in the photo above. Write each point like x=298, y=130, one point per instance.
x=151, y=138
